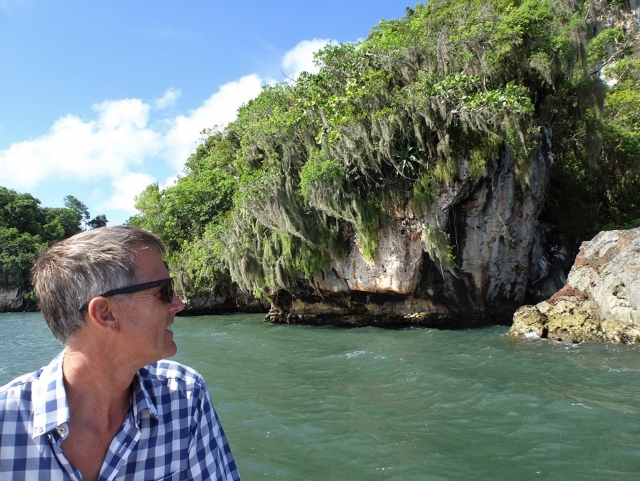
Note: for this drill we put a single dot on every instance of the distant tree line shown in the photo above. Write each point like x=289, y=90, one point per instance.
x=26, y=227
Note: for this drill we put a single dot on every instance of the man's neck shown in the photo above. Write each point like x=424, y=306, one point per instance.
x=99, y=397
x=95, y=381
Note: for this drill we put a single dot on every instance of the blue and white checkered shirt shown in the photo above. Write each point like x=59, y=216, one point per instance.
x=171, y=431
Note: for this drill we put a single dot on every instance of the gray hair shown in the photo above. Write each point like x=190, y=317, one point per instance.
x=72, y=272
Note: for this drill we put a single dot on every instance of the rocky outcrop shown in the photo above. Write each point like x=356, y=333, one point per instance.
x=466, y=261
x=601, y=301
x=599, y=16
x=11, y=299
x=224, y=300
x=218, y=301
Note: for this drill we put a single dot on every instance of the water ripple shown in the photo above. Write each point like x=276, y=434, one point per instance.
x=301, y=402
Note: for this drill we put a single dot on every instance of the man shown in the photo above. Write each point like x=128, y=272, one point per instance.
x=107, y=407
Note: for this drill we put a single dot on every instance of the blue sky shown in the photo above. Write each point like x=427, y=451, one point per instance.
x=100, y=98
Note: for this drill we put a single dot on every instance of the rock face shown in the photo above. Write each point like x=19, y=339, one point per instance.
x=601, y=301
x=224, y=301
x=600, y=15
x=11, y=299
x=490, y=224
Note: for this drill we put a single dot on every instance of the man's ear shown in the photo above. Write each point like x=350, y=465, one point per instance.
x=103, y=314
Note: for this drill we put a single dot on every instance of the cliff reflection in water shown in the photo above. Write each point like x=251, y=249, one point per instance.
x=300, y=402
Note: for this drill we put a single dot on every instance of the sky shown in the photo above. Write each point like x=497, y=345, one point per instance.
x=100, y=98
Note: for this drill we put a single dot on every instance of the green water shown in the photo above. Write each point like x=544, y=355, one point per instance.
x=309, y=403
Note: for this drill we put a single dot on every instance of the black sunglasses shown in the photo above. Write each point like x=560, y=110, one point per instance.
x=167, y=290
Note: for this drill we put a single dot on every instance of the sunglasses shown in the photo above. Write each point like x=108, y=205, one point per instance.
x=166, y=291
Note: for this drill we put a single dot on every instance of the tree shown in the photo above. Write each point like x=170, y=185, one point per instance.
x=17, y=251
x=20, y=211
x=60, y=223
x=26, y=227
x=71, y=202
x=76, y=205
x=97, y=221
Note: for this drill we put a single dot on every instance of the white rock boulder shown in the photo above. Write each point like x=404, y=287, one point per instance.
x=601, y=301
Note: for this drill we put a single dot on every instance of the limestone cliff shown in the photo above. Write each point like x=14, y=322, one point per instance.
x=491, y=225
x=222, y=301
x=601, y=301
x=11, y=299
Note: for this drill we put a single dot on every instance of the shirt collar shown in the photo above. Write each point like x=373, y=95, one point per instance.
x=50, y=406
x=143, y=406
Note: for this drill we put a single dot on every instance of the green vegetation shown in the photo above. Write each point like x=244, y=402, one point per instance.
x=308, y=166
x=25, y=228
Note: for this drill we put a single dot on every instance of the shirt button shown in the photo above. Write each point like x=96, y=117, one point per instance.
x=62, y=429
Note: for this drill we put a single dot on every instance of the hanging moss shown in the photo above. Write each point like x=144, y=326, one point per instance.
x=437, y=246
x=320, y=168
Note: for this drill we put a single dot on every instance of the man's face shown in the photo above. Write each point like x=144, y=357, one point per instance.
x=147, y=316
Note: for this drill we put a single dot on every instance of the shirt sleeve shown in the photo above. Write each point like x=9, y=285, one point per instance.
x=210, y=457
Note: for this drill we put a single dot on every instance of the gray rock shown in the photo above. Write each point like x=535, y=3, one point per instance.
x=490, y=223
x=11, y=299
x=225, y=300
x=601, y=301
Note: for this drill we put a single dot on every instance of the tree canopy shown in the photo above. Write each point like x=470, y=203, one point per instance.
x=26, y=227
x=280, y=191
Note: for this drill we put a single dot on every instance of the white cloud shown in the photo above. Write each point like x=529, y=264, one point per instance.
x=119, y=139
x=168, y=99
x=125, y=188
x=300, y=58
x=218, y=110
x=169, y=182
x=85, y=150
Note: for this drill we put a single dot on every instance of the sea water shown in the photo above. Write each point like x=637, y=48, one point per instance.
x=324, y=403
